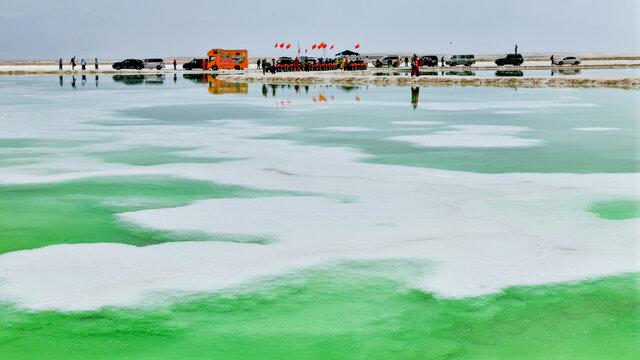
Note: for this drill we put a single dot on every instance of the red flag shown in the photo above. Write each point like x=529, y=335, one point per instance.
x=281, y=45
x=305, y=51
x=314, y=46
x=288, y=46
x=357, y=46
x=298, y=51
x=276, y=44
x=331, y=47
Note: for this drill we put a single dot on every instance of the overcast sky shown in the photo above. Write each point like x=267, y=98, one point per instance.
x=49, y=29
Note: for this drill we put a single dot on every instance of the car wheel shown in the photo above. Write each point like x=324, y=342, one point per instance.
x=139, y=68
x=576, y=63
x=454, y=64
x=237, y=67
x=117, y=67
x=159, y=67
x=560, y=63
x=214, y=67
x=467, y=64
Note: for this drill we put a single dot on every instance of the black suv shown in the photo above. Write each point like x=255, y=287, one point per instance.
x=510, y=59
x=430, y=61
x=128, y=64
x=193, y=64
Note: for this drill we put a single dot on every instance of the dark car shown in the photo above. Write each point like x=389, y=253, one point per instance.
x=284, y=63
x=510, y=59
x=193, y=64
x=128, y=64
x=430, y=60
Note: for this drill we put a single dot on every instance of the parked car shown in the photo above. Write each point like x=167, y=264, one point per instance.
x=569, y=60
x=466, y=60
x=153, y=63
x=128, y=64
x=510, y=59
x=430, y=60
x=193, y=64
x=284, y=63
x=393, y=59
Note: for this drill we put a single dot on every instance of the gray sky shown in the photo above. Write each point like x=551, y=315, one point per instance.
x=49, y=29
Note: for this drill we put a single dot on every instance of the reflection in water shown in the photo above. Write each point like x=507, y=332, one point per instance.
x=565, y=71
x=415, y=91
x=196, y=78
x=509, y=73
x=156, y=79
x=461, y=73
x=73, y=82
x=84, y=79
x=429, y=73
x=265, y=92
x=97, y=78
x=218, y=87
x=61, y=80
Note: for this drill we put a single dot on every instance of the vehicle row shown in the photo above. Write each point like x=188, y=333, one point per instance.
x=466, y=60
x=216, y=59
x=151, y=63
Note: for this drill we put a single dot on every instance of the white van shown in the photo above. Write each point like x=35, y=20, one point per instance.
x=153, y=63
x=466, y=60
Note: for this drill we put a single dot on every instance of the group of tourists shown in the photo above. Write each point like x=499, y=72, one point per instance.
x=73, y=64
x=286, y=64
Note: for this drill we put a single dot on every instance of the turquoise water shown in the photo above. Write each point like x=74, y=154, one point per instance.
x=171, y=217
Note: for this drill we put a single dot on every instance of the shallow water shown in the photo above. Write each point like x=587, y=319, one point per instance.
x=180, y=217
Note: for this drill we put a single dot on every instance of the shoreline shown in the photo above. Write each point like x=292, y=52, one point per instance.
x=388, y=76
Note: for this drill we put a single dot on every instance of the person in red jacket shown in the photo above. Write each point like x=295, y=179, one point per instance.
x=174, y=64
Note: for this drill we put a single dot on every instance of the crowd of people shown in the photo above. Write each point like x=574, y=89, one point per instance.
x=286, y=64
x=73, y=63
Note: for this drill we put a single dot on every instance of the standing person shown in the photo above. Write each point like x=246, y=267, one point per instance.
x=95, y=62
x=60, y=64
x=84, y=64
x=406, y=61
x=174, y=64
x=442, y=60
x=204, y=65
x=414, y=66
x=73, y=63
x=552, y=62
x=516, y=51
x=258, y=64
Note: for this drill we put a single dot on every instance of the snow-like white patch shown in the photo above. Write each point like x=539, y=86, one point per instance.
x=472, y=136
x=597, y=129
x=512, y=112
x=345, y=128
x=417, y=122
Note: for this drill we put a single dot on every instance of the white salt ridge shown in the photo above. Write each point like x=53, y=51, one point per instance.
x=417, y=122
x=483, y=232
x=479, y=136
x=597, y=129
x=345, y=128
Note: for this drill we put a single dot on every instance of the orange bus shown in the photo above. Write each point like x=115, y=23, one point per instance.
x=227, y=59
